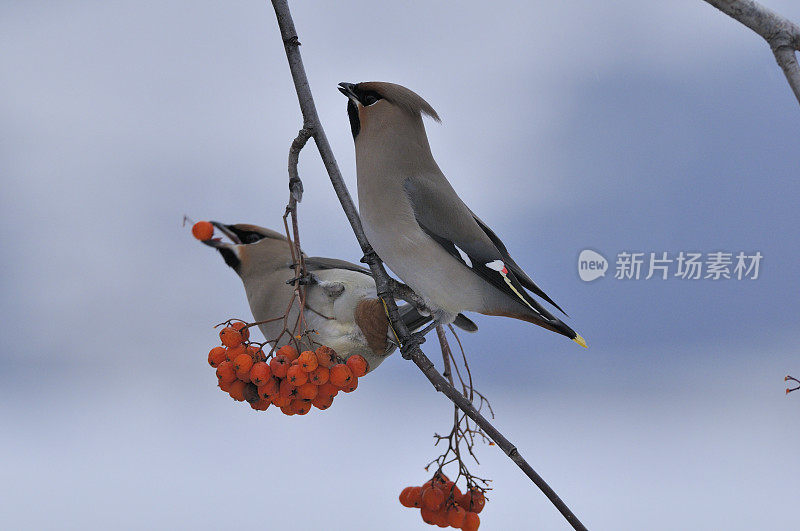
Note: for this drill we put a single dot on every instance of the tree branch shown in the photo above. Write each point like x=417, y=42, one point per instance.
x=782, y=35
x=409, y=345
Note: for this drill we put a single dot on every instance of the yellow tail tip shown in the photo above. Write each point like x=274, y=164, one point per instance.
x=579, y=340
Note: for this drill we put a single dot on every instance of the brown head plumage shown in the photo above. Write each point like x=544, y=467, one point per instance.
x=400, y=96
x=371, y=100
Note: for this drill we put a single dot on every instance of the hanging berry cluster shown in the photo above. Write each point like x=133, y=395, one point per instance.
x=441, y=503
x=290, y=380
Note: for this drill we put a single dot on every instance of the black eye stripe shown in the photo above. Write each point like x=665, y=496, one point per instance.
x=367, y=97
x=247, y=236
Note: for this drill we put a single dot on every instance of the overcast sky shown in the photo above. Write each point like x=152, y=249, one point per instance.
x=615, y=126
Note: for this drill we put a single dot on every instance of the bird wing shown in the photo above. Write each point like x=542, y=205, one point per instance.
x=523, y=277
x=316, y=263
x=442, y=215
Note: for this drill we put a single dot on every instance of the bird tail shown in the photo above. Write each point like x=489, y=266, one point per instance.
x=412, y=318
x=556, y=325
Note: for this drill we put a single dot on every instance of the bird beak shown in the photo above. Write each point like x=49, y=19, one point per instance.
x=224, y=229
x=348, y=89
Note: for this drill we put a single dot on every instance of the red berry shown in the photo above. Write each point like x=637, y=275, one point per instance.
x=328, y=389
x=256, y=352
x=259, y=373
x=471, y=522
x=340, y=375
x=216, y=356
x=242, y=329
x=232, y=352
x=433, y=498
x=230, y=337
x=322, y=402
x=269, y=389
x=358, y=365
x=289, y=351
x=260, y=405
x=405, y=497
x=279, y=365
x=428, y=516
x=319, y=376
x=301, y=407
x=296, y=375
x=455, y=516
x=225, y=372
x=415, y=497
x=237, y=390
x=307, y=391
x=326, y=356
x=308, y=361
x=243, y=363
x=472, y=500
x=287, y=390
x=351, y=386
x=281, y=401
x=203, y=230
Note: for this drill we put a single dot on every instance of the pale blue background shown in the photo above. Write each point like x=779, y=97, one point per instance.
x=618, y=125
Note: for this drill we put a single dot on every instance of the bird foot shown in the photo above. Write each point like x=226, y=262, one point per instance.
x=414, y=340
x=404, y=292
x=302, y=280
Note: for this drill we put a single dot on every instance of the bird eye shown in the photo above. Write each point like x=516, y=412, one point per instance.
x=251, y=237
x=369, y=99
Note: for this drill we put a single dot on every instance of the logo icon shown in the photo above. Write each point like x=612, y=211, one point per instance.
x=591, y=265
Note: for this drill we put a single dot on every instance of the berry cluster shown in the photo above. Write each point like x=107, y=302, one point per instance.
x=288, y=379
x=441, y=503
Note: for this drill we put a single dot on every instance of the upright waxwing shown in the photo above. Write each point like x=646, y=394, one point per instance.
x=419, y=226
x=341, y=299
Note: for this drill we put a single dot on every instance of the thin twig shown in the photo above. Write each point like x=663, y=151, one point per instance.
x=446, y=353
x=295, y=184
x=792, y=379
x=409, y=345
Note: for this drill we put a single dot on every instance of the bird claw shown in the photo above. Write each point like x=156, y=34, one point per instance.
x=414, y=341
x=302, y=280
x=404, y=292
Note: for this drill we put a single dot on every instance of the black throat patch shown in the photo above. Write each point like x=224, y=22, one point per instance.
x=230, y=258
x=352, y=113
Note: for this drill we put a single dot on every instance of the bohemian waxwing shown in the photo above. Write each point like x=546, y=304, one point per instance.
x=341, y=300
x=418, y=225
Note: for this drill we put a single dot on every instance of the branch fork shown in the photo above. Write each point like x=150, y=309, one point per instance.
x=782, y=35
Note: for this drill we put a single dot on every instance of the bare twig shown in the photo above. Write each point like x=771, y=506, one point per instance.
x=409, y=345
x=447, y=354
x=782, y=35
x=462, y=430
x=295, y=184
x=792, y=379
